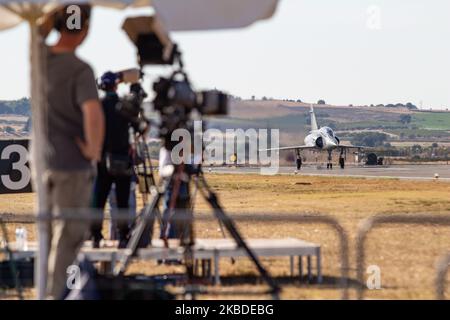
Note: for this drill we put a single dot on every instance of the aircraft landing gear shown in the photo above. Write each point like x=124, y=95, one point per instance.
x=298, y=160
x=342, y=159
x=329, y=164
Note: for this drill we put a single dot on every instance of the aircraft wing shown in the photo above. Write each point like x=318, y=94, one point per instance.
x=290, y=148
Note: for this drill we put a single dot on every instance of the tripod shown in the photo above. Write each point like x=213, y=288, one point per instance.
x=187, y=240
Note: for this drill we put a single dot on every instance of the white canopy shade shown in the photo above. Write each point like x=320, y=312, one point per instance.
x=176, y=15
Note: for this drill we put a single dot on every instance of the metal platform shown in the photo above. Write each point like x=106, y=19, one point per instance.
x=207, y=252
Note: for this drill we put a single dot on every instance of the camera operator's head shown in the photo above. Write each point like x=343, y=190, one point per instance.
x=72, y=23
x=108, y=82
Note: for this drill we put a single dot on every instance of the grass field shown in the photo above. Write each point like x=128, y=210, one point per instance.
x=406, y=255
x=432, y=121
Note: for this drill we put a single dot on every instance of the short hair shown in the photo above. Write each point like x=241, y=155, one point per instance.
x=63, y=15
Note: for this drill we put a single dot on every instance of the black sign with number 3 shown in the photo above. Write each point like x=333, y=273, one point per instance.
x=15, y=174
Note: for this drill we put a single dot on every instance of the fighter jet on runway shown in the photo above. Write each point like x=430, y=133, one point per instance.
x=320, y=139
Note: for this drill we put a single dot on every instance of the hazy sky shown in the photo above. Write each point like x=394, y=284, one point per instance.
x=346, y=52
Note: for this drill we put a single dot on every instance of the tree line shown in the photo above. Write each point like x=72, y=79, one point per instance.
x=20, y=107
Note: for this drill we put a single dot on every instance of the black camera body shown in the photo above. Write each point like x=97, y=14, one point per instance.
x=170, y=92
x=175, y=100
x=130, y=107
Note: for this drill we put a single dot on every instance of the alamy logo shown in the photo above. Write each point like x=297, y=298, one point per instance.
x=214, y=146
x=73, y=21
x=374, y=278
x=73, y=277
x=373, y=18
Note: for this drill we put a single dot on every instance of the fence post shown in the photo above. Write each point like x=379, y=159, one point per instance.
x=441, y=275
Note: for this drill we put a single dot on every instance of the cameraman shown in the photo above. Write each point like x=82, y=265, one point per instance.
x=116, y=162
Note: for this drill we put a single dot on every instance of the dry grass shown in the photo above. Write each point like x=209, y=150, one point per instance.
x=405, y=254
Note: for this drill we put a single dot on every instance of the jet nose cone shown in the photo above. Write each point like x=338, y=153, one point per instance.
x=332, y=143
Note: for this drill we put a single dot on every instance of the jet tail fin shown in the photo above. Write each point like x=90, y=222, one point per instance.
x=314, y=125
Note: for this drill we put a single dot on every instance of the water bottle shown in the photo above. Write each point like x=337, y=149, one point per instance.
x=25, y=239
x=21, y=239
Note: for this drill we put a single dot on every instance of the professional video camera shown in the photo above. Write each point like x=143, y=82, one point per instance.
x=130, y=107
x=171, y=92
x=175, y=100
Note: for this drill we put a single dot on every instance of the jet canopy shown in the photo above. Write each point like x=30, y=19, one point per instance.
x=328, y=131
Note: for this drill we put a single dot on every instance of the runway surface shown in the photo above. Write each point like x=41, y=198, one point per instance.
x=412, y=172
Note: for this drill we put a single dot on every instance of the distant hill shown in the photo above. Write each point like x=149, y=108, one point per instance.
x=269, y=108
x=398, y=121
x=401, y=122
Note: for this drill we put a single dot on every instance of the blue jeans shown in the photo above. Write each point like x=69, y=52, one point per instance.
x=182, y=200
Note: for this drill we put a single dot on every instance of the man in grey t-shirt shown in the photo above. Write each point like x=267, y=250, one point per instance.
x=71, y=84
x=75, y=132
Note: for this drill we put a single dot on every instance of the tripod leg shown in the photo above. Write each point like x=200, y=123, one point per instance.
x=199, y=178
x=231, y=228
x=187, y=241
x=222, y=230
x=133, y=244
